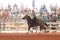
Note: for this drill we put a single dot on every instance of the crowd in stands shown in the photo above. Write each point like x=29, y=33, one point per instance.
x=15, y=12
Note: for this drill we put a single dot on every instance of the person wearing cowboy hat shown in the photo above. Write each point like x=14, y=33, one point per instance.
x=34, y=17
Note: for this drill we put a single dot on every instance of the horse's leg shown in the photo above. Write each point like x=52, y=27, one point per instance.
x=29, y=29
x=45, y=29
x=36, y=29
x=40, y=29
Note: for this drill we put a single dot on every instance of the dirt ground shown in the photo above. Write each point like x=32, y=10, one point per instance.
x=30, y=36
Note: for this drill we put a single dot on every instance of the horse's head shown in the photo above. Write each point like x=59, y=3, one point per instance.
x=27, y=18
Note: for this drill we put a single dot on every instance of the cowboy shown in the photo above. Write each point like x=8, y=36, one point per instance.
x=34, y=17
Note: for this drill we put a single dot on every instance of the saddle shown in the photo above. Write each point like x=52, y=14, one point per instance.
x=34, y=21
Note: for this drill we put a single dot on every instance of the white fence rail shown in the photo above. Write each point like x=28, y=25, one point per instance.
x=22, y=26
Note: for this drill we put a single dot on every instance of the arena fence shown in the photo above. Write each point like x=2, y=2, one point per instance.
x=23, y=26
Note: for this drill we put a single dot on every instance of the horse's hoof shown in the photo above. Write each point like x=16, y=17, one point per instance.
x=27, y=33
x=44, y=32
x=31, y=31
x=54, y=31
x=47, y=31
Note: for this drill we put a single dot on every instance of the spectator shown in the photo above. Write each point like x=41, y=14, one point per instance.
x=58, y=14
x=54, y=18
x=45, y=17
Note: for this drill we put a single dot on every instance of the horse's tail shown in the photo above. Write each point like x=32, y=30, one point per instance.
x=46, y=24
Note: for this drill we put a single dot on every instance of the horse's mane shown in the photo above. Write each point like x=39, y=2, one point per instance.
x=28, y=18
